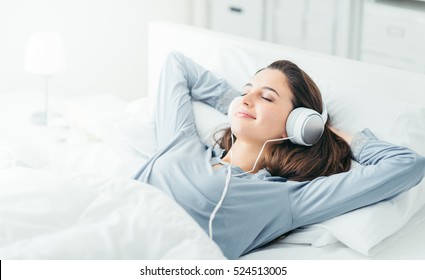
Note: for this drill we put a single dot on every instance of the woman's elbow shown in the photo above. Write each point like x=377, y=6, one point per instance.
x=414, y=170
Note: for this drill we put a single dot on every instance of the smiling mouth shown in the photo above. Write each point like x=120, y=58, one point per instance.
x=245, y=115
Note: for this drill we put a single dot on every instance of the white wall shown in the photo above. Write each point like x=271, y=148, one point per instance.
x=105, y=41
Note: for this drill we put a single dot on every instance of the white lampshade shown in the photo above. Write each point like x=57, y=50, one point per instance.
x=45, y=54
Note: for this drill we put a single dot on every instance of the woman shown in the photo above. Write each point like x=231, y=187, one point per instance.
x=259, y=185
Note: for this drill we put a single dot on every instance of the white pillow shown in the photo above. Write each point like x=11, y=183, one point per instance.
x=92, y=114
x=128, y=128
x=352, y=109
x=411, y=123
x=208, y=121
x=132, y=125
x=139, y=129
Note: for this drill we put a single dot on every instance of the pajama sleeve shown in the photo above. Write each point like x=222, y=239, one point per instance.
x=182, y=81
x=386, y=170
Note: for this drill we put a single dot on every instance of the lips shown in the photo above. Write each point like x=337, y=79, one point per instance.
x=243, y=114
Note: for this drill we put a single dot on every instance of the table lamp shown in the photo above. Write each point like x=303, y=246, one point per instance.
x=45, y=56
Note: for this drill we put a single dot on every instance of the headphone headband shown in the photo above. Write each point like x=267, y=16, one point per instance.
x=324, y=113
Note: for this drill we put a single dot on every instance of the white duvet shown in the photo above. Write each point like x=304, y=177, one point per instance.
x=46, y=214
x=75, y=200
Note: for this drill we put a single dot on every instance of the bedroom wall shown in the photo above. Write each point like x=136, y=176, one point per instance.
x=105, y=42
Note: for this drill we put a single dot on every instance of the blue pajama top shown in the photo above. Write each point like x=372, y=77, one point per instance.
x=257, y=207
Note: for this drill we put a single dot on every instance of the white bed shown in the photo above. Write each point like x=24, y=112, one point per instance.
x=73, y=199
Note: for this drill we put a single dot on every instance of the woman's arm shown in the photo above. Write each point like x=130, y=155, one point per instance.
x=344, y=135
x=182, y=80
x=386, y=171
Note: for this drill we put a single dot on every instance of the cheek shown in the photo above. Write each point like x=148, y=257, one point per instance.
x=276, y=122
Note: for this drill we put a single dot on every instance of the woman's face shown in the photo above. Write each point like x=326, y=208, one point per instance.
x=262, y=112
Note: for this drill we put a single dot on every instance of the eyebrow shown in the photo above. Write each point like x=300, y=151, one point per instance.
x=267, y=88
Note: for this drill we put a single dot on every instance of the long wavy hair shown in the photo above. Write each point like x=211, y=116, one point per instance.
x=330, y=155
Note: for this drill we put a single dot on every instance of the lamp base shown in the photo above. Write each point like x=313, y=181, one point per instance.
x=42, y=118
x=39, y=118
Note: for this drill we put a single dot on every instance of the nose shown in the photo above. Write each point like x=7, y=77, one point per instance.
x=248, y=98
x=245, y=100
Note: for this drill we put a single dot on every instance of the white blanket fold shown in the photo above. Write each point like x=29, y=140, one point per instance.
x=46, y=215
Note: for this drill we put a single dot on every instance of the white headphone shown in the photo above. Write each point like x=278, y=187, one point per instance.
x=304, y=126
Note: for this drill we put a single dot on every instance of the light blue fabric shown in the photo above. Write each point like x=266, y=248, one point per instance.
x=258, y=207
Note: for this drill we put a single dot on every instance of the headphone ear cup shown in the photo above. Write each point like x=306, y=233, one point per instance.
x=304, y=126
x=294, y=135
x=231, y=106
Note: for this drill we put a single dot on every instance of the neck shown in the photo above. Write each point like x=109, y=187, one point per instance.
x=244, y=155
x=247, y=156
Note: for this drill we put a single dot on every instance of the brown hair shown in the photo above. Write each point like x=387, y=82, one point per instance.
x=330, y=155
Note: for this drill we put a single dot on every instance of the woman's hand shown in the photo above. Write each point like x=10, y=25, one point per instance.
x=344, y=135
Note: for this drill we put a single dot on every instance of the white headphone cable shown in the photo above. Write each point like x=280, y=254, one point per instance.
x=259, y=154
x=223, y=194
x=229, y=175
x=220, y=202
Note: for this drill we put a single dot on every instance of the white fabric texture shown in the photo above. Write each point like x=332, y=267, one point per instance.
x=51, y=215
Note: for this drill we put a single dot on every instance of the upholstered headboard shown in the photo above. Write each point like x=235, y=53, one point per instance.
x=237, y=59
